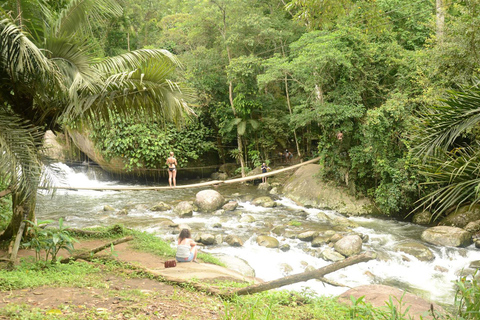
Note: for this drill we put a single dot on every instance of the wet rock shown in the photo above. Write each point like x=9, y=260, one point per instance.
x=307, y=236
x=217, y=225
x=183, y=209
x=343, y=222
x=286, y=269
x=285, y=247
x=322, y=216
x=422, y=218
x=209, y=200
x=108, y=208
x=206, y=238
x=418, y=250
x=247, y=219
x=218, y=212
x=230, y=206
x=447, y=236
x=274, y=191
x=349, y=245
x=475, y=264
x=330, y=255
x=218, y=239
x=310, y=268
x=219, y=176
x=161, y=206
x=233, y=241
x=264, y=186
x=440, y=269
x=278, y=230
x=336, y=237
x=320, y=240
x=266, y=202
x=165, y=222
x=122, y=212
x=267, y=241
x=462, y=216
x=477, y=244
x=473, y=226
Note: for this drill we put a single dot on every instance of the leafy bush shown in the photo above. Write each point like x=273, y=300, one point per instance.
x=467, y=299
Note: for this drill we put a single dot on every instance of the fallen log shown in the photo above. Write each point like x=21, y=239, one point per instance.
x=90, y=253
x=304, y=276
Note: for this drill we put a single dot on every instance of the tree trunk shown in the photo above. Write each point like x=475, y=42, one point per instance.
x=305, y=276
x=23, y=207
x=290, y=110
x=440, y=19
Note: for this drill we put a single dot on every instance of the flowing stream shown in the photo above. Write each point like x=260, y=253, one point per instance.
x=431, y=280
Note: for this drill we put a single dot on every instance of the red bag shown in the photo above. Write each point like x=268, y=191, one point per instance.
x=170, y=263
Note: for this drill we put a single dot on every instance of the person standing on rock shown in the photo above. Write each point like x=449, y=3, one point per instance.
x=264, y=168
x=172, y=170
x=186, y=247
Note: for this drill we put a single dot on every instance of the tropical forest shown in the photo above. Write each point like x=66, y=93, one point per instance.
x=318, y=158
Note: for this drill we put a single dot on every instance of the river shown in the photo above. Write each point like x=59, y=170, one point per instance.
x=432, y=280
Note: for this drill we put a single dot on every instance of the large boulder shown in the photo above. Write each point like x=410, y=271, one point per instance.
x=447, y=236
x=330, y=255
x=183, y=209
x=462, y=216
x=418, y=250
x=206, y=238
x=209, y=200
x=267, y=241
x=379, y=295
x=473, y=226
x=349, y=245
x=306, y=187
x=230, y=206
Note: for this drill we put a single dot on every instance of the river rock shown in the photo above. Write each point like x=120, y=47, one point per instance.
x=228, y=168
x=330, y=255
x=265, y=201
x=108, y=208
x=462, y=216
x=447, y=236
x=247, y=219
x=477, y=244
x=440, y=269
x=473, y=226
x=320, y=240
x=264, y=186
x=278, y=230
x=418, y=250
x=122, y=212
x=336, y=237
x=274, y=191
x=233, y=241
x=165, y=222
x=286, y=269
x=423, y=218
x=322, y=216
x=349, y=245
x=307, y=236
x=209, y=200
x=475, y=264
x=230, y=206
x=161, y=206
x=343, y=222
x=285, y=247
x=183, y=209
x=218, y=239
x=267, y=241
x=207, y=239
x=219, y=176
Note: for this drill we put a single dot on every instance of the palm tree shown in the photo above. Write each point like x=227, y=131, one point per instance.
x=47, y=76
x=451, y=152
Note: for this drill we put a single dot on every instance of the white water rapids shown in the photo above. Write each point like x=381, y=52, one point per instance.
x=431, y=280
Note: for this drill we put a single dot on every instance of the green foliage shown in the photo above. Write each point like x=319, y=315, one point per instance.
x=48, y=239
x=146, y=144
x=150, y=243
x=467, y=299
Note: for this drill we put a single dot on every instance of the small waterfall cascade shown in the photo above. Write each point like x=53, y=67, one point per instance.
x=432, y=280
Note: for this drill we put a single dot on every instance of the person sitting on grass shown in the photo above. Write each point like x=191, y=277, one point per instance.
x=186, y=248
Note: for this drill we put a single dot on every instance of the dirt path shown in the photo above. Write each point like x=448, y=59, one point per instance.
x=124, y=297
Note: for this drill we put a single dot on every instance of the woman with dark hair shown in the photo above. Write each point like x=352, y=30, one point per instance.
x=186, y=247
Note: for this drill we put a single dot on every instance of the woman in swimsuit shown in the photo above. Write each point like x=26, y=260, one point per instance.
x=186, y=247
x=172, y=170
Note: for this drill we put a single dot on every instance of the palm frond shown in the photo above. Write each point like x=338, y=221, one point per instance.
x=446, y=122
x=20, y=164
x=456, y=178
x=76, y=14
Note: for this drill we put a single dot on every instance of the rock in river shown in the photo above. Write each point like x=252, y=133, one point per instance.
x=447, y=236
x=209, y=200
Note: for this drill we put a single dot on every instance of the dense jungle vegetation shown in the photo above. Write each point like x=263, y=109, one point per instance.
x=248, y=79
